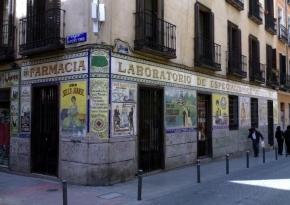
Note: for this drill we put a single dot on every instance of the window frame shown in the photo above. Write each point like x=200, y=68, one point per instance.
x=254, y=111
x=234, y=115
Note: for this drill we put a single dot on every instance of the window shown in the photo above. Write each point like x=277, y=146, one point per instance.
x=271, y=62
x=281, y=16
x=207, y=53
x=234, y=48
x=254, y=57
x=254, y=113
x=283, y=73
x=233, y=112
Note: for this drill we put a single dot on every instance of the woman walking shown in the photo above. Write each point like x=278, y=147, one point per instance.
x=280, y=139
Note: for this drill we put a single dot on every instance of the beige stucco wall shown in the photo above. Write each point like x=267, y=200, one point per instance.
x=284, y=97
x=120, y=25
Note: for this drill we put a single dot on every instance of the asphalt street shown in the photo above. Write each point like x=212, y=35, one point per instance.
x=261, y=184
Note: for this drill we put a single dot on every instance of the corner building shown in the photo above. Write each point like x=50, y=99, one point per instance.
x=151, y=85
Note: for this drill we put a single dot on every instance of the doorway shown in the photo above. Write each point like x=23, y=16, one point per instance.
x=204, y=126
x=151, y=129
x=270, y=123
x=45, y=130
x=4, y=126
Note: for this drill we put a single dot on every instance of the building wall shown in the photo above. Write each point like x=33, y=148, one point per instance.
x=104, y=158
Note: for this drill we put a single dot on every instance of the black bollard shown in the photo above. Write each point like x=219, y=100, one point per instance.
x=140, y=173
x=264, y=155
x=227, y=164
x=64, y=192
x=198, y=171
x=248, y=159
x=276, y=153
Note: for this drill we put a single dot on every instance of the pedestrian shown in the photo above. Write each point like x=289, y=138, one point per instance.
x=287, y=139
x=279, y=135
x=255, y=136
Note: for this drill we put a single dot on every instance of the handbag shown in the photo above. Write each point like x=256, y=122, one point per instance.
x=262, y=144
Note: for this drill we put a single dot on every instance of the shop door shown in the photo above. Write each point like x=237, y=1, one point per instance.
x=204, y=126
x=151, y=129
x=44, y=133
x=4, y=126
x=270, y=123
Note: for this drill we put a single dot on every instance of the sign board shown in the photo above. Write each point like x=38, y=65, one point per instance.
x=76, y=38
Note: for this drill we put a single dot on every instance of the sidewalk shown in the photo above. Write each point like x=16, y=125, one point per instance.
x=20, y=190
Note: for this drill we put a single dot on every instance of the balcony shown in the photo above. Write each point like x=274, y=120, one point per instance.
x=271, y=24
x=154, y=35
x=207, y=54
x=7, y=41
x=283, y=34
x=42, y=33
x=273, y=78
x=238, y=4
x=255, y=12
x=236, y=65
x=257, y=72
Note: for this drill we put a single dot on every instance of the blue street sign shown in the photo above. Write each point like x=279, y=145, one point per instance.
x=76, y=38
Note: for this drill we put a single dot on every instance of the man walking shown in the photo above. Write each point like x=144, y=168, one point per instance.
x=255, y=136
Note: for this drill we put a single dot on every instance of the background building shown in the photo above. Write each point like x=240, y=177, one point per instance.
x=92, y=91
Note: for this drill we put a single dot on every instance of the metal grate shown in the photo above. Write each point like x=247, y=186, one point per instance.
x=151, y=136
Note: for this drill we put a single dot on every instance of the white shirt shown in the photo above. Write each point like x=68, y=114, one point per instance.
x=254, y=136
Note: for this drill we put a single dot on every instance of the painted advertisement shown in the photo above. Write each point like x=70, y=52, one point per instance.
x=14, y=110
x=220, y=111
x=99, y=106
x=72, y=66
x=124, y=108
x=73, y=109
x=100, y=61
x=180, y=110
x=263, y=112
x=245, y=117
x=25, y=113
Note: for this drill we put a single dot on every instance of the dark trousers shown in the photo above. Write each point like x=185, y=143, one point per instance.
x=280, y=146
x=256, y=148
x=288, y=148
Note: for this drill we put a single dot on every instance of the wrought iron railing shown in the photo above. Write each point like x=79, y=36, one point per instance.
x=283, y=33
x=42, y=32
x=155, y=33
x=207, y=53
x=236, y=64
x=284, y=79
x=270, y=23
x=257, y=71
x=272, y=77
x=255, y=11
x=7, y=31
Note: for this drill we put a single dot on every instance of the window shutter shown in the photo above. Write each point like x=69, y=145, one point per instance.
x=196, y=20
x=239, y=45
x=258, y=51
x=212, y=27
x=269, y=58
x=271, y=7
x=230, y=45
x=197, y=41
x=52, y=4
x=274, y=60
x=250, y=55
x=211, y=37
